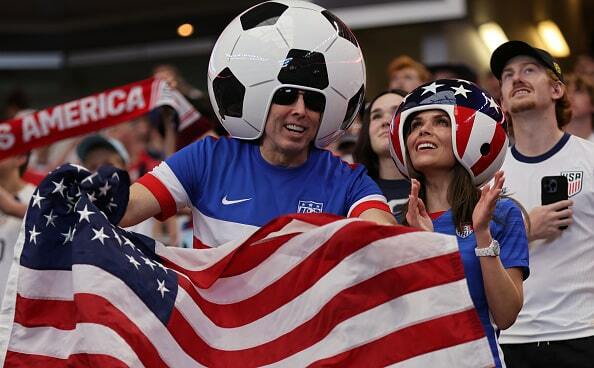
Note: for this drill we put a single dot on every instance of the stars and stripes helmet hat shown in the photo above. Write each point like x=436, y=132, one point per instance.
x=479, y=136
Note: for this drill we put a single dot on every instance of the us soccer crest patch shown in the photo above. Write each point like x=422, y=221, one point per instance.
x=466, y=231
x=574, y=182
x=310, y=207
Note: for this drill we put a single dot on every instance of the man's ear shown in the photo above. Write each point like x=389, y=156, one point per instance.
x=559, y=89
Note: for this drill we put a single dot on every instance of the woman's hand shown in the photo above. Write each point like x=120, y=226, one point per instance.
x=417, y=215
x=483, y=211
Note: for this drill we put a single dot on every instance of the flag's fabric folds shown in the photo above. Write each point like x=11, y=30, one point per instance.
x=304, y=290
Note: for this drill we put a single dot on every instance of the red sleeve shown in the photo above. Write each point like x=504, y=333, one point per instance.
x=364, y=206
x=162, y=194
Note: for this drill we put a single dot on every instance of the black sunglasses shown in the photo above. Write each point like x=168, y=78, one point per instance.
x=314, y=101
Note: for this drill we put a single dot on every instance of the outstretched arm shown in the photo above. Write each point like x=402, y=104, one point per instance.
x=142, y=204
x=379, y=216
x=503, y=287
x=10, y=206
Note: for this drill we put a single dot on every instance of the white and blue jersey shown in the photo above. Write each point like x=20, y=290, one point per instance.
x=559, y=296
x=507, y=227
x=232, y=190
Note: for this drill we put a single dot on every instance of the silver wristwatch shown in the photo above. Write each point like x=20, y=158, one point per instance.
x=491, y=251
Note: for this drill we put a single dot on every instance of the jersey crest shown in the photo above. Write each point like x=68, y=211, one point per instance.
x=466, y=231
x=574, y=182
x=310, y=207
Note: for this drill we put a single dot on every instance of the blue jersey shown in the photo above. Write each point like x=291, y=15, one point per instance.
x=232, y=190
x=507, y=227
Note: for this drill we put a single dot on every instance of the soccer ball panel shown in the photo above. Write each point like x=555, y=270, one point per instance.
x=262, y=15
x=258, y=102
x=219, y=57
x=300, y=4
x=305, y=68
x=317, y=36
x=333, y=117
x=341, y=28
x=258, y=55
x=348, y=71
x=239, y=128
x=229, y=94
x=353, y=108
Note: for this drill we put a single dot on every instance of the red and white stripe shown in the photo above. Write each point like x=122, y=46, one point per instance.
x=303, y=290
x=155, y=93
x=472, y=130
x=211, y=232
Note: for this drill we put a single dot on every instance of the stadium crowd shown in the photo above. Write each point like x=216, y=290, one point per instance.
x=541, y=312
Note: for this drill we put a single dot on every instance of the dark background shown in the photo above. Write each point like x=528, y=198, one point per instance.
x=107, y=43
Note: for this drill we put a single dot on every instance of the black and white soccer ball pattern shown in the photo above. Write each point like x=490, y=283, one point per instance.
x=279, y=44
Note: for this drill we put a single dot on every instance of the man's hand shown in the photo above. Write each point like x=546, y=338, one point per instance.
x=546, y=220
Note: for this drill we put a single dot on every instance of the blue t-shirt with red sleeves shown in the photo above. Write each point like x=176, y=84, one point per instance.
x=507, y=227
x=226, y=181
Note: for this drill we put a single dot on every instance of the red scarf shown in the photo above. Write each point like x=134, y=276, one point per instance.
x=91, y=113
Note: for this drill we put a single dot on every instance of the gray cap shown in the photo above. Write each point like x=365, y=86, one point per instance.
x=99, y=141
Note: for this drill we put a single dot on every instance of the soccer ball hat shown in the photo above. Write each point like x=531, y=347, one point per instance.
x=280, y=44
x=479, y=137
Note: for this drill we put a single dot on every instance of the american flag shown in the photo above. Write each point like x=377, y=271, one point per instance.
x=304, y=290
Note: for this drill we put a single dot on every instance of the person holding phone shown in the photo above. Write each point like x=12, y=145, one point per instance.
x=554, y=189
x=555, y=326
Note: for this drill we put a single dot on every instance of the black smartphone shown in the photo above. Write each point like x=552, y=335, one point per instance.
x=553, y=189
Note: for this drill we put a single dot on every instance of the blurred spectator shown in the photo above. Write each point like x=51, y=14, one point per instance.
x=140, y=140
x=357, y=123
x=47, y=158
x=206, y=125
x=581, y=95
x=372, y=149
x=171, y=75
x=15, y=193
x=490, y=84
x=453, y=71
x=344, y=146
x=16, y=101
x=31, y=174
x=584, y=66
x=406, y=74
x=96, y=150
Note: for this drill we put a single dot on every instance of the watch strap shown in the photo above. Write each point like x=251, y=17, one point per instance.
x=491, y=251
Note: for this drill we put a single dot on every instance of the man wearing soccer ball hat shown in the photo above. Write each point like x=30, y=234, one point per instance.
x=285, y=78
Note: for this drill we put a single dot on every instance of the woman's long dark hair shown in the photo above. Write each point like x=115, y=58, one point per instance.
x=363, y=152
x=462, y=194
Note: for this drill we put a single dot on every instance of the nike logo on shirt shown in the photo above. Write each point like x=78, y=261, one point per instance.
x=226, y=201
